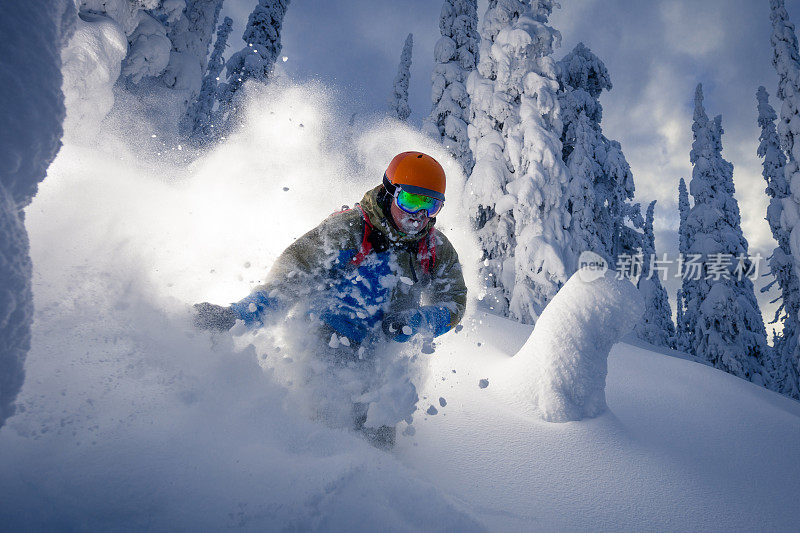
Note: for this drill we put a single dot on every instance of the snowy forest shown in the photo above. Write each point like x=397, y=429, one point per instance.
x=624, y=354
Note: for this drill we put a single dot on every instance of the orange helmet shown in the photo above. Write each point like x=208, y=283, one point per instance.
x=416, y=173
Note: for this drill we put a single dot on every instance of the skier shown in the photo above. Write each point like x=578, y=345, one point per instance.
x=378, y=270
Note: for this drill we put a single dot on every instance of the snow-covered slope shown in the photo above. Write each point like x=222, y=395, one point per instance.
x=682, y=447
x=129, y=419
x=128, y=423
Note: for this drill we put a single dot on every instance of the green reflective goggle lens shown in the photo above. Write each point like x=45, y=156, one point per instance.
x=414, y=203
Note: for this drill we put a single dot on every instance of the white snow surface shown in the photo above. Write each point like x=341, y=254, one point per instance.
x=130, y=419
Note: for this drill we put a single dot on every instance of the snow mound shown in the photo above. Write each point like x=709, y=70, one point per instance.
x=560, y=372
x=682, y=446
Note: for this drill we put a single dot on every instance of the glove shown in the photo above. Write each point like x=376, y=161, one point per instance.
x=215, y=317
x=354, y=328
x=403, y=325
x=253, y=308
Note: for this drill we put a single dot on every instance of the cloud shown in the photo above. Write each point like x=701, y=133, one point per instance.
x=689, y=30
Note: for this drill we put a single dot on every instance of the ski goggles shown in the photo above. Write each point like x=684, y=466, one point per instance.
x=414, y=203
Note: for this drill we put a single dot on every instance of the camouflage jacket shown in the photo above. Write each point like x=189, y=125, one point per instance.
x=347, y=285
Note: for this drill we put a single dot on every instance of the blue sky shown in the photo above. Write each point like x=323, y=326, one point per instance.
x=655, y=51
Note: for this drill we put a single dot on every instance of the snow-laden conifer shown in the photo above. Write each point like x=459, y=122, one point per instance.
x=656, y=325
x=726, y=322
x=684, y=339
x=626, y=217
x=683, y=214
x=191, y=36
x=256, y=60
x=456, y=54
x=198, y=122
x=146, y=24
x=148, y=45
x=517, y=185
x=584, y=171
x=603, y=219
x=784, y=361
x=398, y=101
x=681, y=340
x=786, y=60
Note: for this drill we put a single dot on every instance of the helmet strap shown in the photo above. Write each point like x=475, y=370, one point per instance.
x=390, y=187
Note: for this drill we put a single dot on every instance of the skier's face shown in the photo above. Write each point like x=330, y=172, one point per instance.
x=409, y=223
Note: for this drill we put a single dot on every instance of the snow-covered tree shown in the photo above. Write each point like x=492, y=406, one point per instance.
x=191, y=36
x=656, y=325
x=784, y=362
x=149, y=47
x=158, y=41
x=585, y=171
x=517, y=185
x=256, y=60
x=683, y=333
x=725, y=320
x=145, y=23
x=456, y=54
x=398, y=101
x=198, y=122
x=601, y=188
x=30, y=132
x=681, y=341
x=683, y=212
x=786, y=60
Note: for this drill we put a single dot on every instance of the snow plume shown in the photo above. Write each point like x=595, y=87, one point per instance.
x=170, y=428
x=398, y=101
x=560, y=372
x=30, y=134
x=384, y=382
x=456, y=54
x=517, y=185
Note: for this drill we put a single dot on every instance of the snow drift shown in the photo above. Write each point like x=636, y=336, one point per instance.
x=560, y=372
